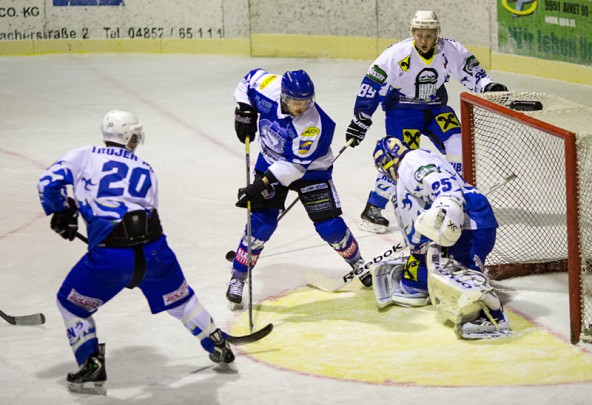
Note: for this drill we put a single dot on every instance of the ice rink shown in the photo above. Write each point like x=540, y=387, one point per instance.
x=326, y=348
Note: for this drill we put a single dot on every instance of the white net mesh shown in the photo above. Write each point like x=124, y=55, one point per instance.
x=531, y=209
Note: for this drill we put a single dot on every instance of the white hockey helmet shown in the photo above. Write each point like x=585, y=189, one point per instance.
x=425, y=20
x=120, y=127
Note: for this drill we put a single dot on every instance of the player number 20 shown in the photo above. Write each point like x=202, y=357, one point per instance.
x=139, y=180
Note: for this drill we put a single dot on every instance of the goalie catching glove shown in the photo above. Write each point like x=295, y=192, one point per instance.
x=65, y=222
x=442, y=222
x=261, y=188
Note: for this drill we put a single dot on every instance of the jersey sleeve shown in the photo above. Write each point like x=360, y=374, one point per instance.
x=248, y=82
x=368, y=97
x=466, y=68
x=52, y=185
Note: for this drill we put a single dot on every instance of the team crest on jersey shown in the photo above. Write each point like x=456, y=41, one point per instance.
x=405, y=64
x=447, y=121
x=376, y=74
x=423, y=171
x=470, y=64
x=266, y=82
x=425, y=84
x=411, y=137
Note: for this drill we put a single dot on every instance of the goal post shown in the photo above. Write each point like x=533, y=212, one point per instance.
x=545, y=214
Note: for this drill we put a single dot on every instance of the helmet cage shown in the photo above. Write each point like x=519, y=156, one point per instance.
x=387, y=154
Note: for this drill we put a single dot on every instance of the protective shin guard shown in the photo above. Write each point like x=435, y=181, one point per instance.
x=336, y=233
x=196, y=320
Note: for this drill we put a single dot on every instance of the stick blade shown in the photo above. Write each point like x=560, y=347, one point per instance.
x=323, y=282
x=251, y=338
x=25, y=320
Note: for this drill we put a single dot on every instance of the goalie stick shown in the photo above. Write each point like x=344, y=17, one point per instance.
x=250, y=338
x=330, y=284
x=24, y=320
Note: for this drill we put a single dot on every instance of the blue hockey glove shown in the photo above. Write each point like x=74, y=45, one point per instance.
x=357, y=128
x=494, y=87
x=65, y=223
x=245, y=122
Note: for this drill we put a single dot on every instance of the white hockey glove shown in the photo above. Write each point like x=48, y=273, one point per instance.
x=443, y=222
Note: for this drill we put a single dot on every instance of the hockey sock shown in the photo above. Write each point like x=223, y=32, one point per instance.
x=196, y=320
x=81, y=334
x=336, y=233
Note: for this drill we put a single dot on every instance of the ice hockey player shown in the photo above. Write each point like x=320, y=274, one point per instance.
x=434, y=204
x=408, y=79
x=295, y=137
x=116, y=193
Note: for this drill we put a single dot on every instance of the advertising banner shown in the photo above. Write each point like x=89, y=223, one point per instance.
x=547, y=29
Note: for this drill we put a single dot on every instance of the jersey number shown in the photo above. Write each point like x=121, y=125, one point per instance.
x=139, y=180
x=443, y=185
x=366, y=91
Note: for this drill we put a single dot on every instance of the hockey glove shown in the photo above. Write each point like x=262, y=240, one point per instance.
x=254, y=192
x=357, y=128
x=494, y=87
x=65, y=223
x=245, y=122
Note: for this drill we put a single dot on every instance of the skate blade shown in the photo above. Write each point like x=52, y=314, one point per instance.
x=482, y=335
x=233, y=306
x=226, y=368
x=370, y=227
x=90, y=388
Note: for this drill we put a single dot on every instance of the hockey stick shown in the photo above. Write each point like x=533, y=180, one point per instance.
x=251, y=338
x=501, y=183
x=24, y=320
x=231, y=253
x=249, y=229
x=330, y=284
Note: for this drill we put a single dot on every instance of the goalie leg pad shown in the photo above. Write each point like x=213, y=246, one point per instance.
x=386, y=279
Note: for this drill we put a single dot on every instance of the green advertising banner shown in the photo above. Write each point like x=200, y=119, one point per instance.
x=547, y=29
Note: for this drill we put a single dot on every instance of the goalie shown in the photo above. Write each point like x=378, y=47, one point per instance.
x=434, y=206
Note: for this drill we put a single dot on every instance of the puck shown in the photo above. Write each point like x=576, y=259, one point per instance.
x=230, y=255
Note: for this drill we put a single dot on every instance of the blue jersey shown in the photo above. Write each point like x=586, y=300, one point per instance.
x=107, y=182
x=292, y=148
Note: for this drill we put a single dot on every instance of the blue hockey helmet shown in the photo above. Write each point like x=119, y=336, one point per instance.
x=387, y=154
x=297, y=85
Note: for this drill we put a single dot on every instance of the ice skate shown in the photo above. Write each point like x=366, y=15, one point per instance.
x=222, y=354
x=91, y=376
x=484, y=327
x=372, y=220
x=234, y=293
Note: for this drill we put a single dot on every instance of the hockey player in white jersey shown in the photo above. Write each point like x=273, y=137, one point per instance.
x=408, y=80
x=295, y=137
x=434, y=204
x=116, y=193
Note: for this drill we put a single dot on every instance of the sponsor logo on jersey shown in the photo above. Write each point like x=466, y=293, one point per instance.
x=87, y=303
x=426, y=84
x=376, y=74
x=266, y=82
x=304, y=147
x=310, y=131
x=314, y=187
x=470, y=64
x=447, y=121
x=405, y=63
x=412, y=137
x=178, y=294
x=423, y=171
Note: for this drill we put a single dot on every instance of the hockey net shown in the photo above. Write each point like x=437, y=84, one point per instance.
x=545, y=212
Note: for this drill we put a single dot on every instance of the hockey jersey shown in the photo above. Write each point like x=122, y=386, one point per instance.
x=424, y=176
x=107, y=182
x=292, y=148
x=401, y=78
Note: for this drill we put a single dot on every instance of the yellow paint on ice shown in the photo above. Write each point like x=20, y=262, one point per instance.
x=344, y=336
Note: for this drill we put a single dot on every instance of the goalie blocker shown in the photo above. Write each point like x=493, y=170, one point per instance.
x=463, y=296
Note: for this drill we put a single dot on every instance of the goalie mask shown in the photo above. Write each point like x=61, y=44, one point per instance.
x=122, y=128
x=387, y=154
x=297, y=91
x=425, y=20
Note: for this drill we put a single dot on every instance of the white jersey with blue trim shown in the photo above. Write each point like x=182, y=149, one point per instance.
x=423, y=176
x=405, y=79
x=292, y=148
x=107, y=182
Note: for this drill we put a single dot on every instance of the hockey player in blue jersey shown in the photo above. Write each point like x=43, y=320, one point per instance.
x=408, y=80
x=116, y=193
x=295, y=137
x=433, y=203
